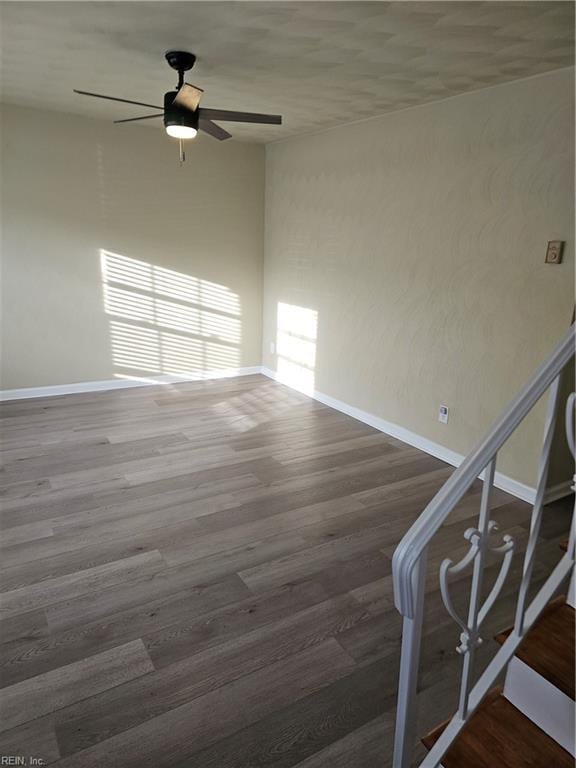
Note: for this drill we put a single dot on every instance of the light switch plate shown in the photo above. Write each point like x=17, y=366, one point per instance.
x=554, y=251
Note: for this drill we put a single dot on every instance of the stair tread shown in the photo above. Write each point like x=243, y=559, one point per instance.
x=548, y=648
x=498, y=734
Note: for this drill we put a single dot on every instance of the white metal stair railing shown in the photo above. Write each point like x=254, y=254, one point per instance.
x=409, y=562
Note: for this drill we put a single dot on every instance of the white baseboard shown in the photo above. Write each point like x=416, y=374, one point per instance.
x=100, y=386
x=505, y=483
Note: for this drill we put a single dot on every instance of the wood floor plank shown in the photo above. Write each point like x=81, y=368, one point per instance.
x=98, y=453
x=175, y=618
x=183, y=731
x=71, y=562
x=73, y=585
x=285, y=738
x=25, y=627
x=87, y=536
x=232, y=560
x=145, y=469
x=348, y=724
x=122, y=533
x=310, y=449
x=310, y=561
x=128, y=705
x=166, y=583
x=318, y=489
x=23, y=533
x=156, y=496
x=366, y=747
x=376, y=596
x=46, y=693
x=158, y=493
x=36, y=739
x=295, y=467
x=192, y=634
x=24, y=489
x=210, y=542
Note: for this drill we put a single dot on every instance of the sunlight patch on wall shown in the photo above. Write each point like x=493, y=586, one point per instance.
x=296, y=334
x=168, y=322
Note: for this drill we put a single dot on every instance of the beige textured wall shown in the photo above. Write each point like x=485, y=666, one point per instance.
x=416, y=242
x=183, y=292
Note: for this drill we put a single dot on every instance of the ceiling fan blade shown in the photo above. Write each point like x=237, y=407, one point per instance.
x=114, y=98
x=214, y=130
x=240, y=117
x=189, y=97
x=144, y=117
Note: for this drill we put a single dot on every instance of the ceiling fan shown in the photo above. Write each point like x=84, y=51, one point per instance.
x=182, y=113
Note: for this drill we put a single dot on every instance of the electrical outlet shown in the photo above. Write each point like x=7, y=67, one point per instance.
x=272, y=348
x=443, y=414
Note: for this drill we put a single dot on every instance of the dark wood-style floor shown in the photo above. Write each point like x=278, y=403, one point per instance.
x=199, y=575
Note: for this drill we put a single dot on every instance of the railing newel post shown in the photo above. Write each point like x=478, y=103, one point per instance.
x=409, y=664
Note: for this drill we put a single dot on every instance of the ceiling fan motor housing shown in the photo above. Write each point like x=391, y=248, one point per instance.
x=175, y=115
x=181, y=61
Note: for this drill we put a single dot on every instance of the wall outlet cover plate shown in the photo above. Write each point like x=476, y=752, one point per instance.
x=554, y=251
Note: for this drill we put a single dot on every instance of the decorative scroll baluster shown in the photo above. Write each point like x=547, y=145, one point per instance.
x=543, y=465
x=569, y=420
x=570, y=414
x=479, y=547
x=476, y=594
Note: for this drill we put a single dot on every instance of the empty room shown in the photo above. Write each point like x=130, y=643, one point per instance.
x=287, y=384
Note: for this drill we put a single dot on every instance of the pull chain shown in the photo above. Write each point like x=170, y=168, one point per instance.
x=182, y=153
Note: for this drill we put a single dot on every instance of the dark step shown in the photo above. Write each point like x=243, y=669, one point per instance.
x=548, y=648
x=499, y=736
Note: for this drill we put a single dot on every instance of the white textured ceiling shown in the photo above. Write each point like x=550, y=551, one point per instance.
x=318, y=64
